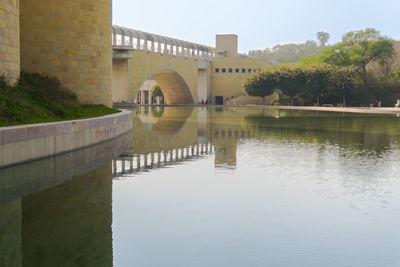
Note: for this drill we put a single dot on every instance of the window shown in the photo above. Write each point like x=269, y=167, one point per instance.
x=219, y=100
x=156, y=47
x=119, y=39
x=127, y=41
x=243, y=70
x=249, y=70
x=135, y=40
x=142, y=44
x=237, y=70
x=217, y=70
x=230, y=70
x=223, y=70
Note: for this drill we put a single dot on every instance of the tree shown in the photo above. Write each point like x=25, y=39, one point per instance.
x=260, y=84
x=360, y=48
x=323, y=38
x=301, y=81
x=318, y=80
x=291, y=80
x=156, y=91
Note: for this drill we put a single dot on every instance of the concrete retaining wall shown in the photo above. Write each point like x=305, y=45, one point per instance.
x=25, y=143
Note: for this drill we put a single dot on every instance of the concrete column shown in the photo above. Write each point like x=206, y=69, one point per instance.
x=123, y=40
x=138, y=162
x=148, y=98
x=130, y=41
x=123, y=165
x=114, y=166
x=138, y=43
x=142, y=97
x=9, y=39
x=72, y=41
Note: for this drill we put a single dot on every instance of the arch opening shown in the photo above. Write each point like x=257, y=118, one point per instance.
x=173, y=86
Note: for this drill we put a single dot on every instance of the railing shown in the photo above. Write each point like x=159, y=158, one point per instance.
x=131, y=164
x=130, y=39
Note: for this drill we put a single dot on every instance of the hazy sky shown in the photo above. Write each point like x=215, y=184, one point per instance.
x=259, y=23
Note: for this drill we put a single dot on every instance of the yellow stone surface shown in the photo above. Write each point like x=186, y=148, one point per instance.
x=9, y=39
x=69, y=39
x=230, y=84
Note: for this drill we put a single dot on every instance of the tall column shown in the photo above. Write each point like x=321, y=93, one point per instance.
x=9, y=39
x=149, y=98
x=142, y=97
x=72, y=41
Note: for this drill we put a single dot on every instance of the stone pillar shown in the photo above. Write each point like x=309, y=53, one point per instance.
x=9, y=39
x=142, y=97
x=149, y=98
x=70, y=39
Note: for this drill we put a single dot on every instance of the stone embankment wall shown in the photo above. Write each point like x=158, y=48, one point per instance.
x=9, y=39
x=21, y=144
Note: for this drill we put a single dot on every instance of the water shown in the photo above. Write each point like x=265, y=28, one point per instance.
x=214, y=187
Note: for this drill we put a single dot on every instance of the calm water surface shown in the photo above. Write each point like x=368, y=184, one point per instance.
x=213, y=187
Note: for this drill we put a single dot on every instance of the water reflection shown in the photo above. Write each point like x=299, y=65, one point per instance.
x=258, y=187
x=273, y=188
x=58, y=211
x=163, y=133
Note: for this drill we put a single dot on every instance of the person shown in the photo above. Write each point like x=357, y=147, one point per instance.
x=202, y=102
x=206, y=102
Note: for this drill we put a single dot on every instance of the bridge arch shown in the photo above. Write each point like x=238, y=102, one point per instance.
x=173, y=85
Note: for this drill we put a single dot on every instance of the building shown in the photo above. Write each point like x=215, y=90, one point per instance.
x=230, y=69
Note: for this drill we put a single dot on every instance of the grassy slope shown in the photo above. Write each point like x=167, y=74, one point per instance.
x=39, y=98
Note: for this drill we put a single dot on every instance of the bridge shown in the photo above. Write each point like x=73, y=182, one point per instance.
x=179, y=67
x=71, y=40
x=186, y=72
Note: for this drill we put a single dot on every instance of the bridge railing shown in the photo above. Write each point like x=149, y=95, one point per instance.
x=136, y=163
x=130, y=39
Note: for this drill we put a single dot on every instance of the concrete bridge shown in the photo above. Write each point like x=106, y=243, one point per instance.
x=182, y=69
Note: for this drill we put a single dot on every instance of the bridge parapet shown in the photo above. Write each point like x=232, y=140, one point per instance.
x=129, y=39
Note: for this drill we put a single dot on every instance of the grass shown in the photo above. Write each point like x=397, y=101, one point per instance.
x=37, y=98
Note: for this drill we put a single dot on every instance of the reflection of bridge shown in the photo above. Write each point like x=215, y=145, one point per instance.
x=130, y=164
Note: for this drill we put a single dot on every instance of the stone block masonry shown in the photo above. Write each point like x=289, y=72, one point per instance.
x=9, y=39
x=70, y=39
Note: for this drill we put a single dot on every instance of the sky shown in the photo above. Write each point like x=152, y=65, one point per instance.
x=258, y=23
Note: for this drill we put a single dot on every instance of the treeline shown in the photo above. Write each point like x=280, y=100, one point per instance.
x=375, y=73
x=291, y=53
x=299, y=84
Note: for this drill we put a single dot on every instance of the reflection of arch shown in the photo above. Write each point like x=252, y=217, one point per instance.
x=174, y=87
x=172, y=121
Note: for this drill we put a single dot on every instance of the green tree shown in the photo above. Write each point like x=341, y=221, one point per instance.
x=323, y=38
x=291, y=80
x=260, y=84
x=156, y=91
x=360, y=48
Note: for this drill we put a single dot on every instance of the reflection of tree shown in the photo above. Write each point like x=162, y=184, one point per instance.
x=157, y=112
x=363, y=136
